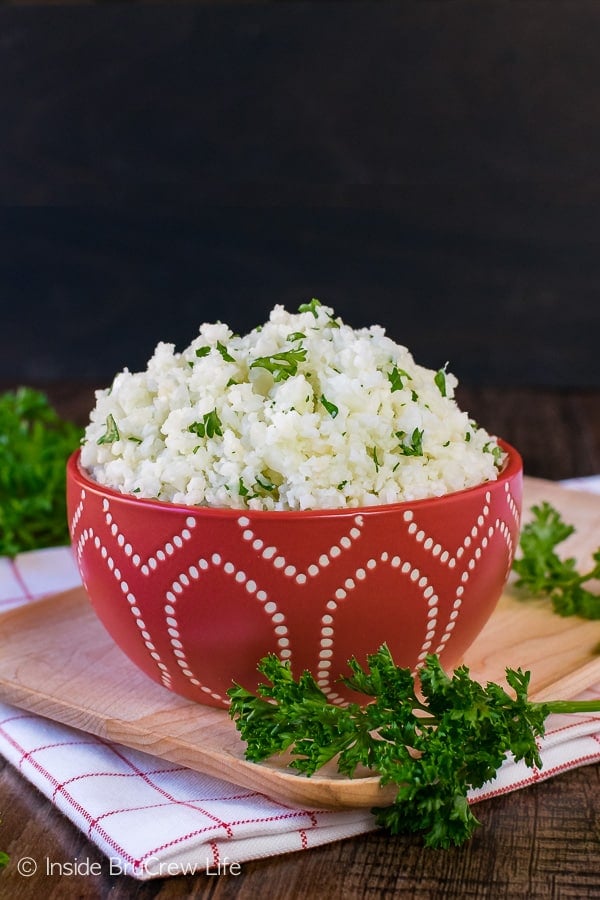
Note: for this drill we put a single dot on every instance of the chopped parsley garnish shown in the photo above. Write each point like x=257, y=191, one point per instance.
x=372, y=452
x=496, y=452
x=265, y=483
x=311, y=307
x=112, y=432
x=227, y=357
x=395, y=378
x=295, y=336
x=263, y=486
x=202, y=352
x=433, y=738
x=330, y=407
x=440, y=380
x=34, y=446
x=281, y=365
x=413, y=446
x=209, y=426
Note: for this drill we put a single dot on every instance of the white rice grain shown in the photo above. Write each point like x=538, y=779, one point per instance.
x=303, y=412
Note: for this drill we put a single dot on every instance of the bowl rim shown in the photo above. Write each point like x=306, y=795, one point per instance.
x=77, y=474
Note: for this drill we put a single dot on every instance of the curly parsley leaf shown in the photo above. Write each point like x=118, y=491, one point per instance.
x=209, y=426
x=543, y=573
x=34, y=446
x=112, y=432
x=440, y=380
x=310, y=307
x=433, y=744
x=313, y=308
x=281, y=365
x=395, y=377
x=412, y=446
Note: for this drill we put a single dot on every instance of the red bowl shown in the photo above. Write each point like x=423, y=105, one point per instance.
x=197, y=596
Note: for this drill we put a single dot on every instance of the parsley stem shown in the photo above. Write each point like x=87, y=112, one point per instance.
x=571, y=706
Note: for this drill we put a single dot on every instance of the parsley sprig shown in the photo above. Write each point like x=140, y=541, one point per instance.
x=543, y=573
x=433, y=738
x=34, y=445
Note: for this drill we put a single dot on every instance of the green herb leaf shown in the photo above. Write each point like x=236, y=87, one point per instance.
x=208, y=427
x=201, y=352
x=34, y=446
x=262, y=487
x=412, y=447
x=282, y=365
x=542, y=572
x=432, y=744
x=265, y=483
x=227, y=357
x=313, y=306
x=330, y=407
x=372, y=452
x=496, y=452
x=112, y=432
x=440, y=380
x=395, y=378
x=310, y=307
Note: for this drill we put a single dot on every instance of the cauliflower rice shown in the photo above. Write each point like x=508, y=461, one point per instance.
x=303, y=412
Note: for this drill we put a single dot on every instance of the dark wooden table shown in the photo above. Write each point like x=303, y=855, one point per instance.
x=542, y=842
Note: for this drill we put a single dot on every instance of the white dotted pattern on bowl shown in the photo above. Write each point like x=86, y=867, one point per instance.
x=475, y=540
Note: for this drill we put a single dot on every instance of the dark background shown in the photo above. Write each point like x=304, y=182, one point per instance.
x=429, y=166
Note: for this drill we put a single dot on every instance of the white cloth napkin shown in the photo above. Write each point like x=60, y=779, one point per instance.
x=153, y=818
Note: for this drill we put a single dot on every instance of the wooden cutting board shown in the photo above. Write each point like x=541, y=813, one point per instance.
x=56, y=660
